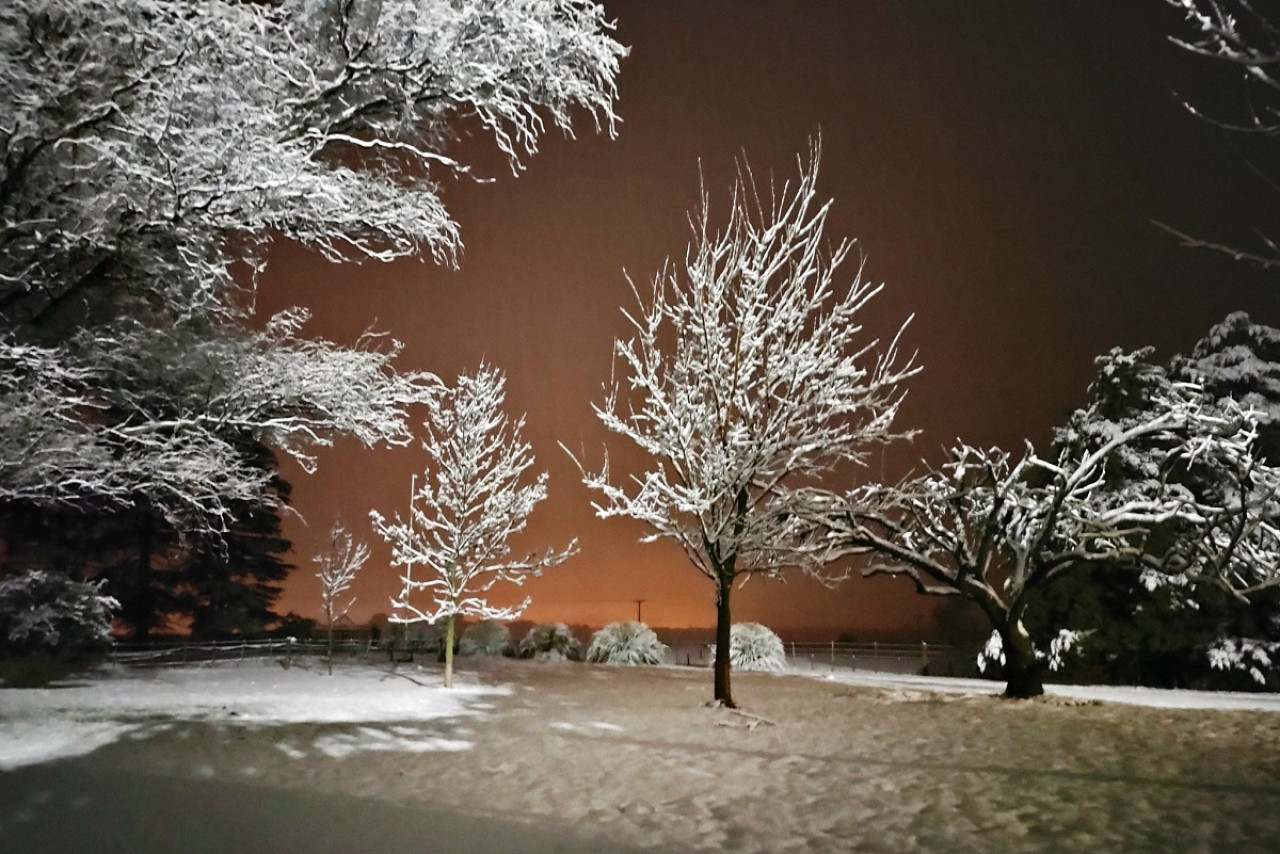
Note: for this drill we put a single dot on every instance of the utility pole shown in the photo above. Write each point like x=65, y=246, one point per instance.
x=639, y=602
x=408, y=567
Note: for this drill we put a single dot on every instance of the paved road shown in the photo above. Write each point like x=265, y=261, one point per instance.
x=79, y=806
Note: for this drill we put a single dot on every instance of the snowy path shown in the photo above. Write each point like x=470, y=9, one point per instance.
x=1156, y=698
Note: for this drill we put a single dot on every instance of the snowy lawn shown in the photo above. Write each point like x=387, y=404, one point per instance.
x=77, y=717
x=635, y=758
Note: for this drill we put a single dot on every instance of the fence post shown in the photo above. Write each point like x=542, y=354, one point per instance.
x=924, y=655
x=288, y=652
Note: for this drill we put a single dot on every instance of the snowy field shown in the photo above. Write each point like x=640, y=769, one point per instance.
x=590, y=758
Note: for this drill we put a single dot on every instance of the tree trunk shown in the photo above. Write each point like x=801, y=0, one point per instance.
x=331, y=644
x=1023, y=671
x=144, y=605
x=723, y=695
x=448, y=651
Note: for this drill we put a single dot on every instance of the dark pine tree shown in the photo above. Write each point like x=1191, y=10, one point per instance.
x=230, y=583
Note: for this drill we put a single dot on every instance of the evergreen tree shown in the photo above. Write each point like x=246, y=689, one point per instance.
x=230, y=582
x=1161, y=637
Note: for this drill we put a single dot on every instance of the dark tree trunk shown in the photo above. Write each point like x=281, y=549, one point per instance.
x=723, y=695
x=330, y=652
x=1023, y=671
x=144, y=606
x=448, y=651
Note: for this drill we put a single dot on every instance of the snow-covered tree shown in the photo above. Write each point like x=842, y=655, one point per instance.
x=627, y=643
x=487, y=638
x=550, y=642
x=753, y=646
x=44, y=612
x=163, y=413
x=339, y=563
x=999, y=529
x=468, y=506
x=150, y=152
x=748, y=377
x=1240, y=360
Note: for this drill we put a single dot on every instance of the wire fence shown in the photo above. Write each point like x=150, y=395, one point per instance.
x=922, y=657
x=186, y=651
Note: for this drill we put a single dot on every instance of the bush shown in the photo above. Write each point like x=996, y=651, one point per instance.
x=626, y=643
x=755, y=647
x=552, y=642
x=488, y=638
x=44, y=613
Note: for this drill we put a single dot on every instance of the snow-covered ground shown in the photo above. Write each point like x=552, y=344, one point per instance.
x=1157, y=698
x=75, y=718
x=635, y=756
x=37, y=725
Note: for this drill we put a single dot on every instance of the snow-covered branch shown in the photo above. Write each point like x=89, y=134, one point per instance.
x=162, y=412
x=1243, y=35
x=339, y=564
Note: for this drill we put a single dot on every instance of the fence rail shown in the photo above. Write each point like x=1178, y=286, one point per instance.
x=886, y=657
x=894, y=657
x=189, y=651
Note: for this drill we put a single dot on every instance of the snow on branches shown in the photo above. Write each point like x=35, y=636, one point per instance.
x=151, y=150
x=159, y=412
x=466, y=509
x=748, y=375
x=1239, y=33
x=139, y=136
x=1243, y=35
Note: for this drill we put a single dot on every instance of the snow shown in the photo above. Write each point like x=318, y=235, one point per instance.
x=388, y=709
x=37, y=725
x=1160, y=698
x=589, y=728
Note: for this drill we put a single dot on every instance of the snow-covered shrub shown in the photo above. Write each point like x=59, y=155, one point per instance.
x=1065, y=643
x=488, y=637
x=1255, y=657
x=755, y=647
x=552, y=642
x=992, y=653
x=44, y=613
x=626, y=643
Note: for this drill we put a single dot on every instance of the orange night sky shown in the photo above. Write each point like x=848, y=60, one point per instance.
x=1000, y=164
